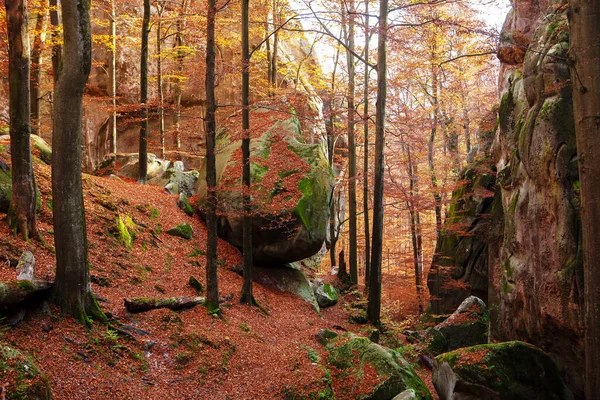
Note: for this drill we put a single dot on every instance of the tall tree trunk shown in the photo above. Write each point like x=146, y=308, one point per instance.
x=212, y=288
x=415, y=228
x=366, y=153
x=159, y=80
x=374, y=303
x=55, y=21
x=585, y=75
x=179, y=42
x=268, y=49
x=273, y=76
x=353, y=244
x=112, y=72
x=247, y=218
x=331, y=140
x=71, y=290
x=437, y=197
x=22, y=216
x=143, y=152
x=36, y=66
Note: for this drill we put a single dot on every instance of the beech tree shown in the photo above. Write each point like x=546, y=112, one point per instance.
x=374, y=302
x=22, y=216
x=585, y=75
x=212, y=288
x=246, y=297
x=71, y=290
x=143, y=150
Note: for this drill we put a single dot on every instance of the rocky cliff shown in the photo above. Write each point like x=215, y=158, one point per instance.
x=534, y=264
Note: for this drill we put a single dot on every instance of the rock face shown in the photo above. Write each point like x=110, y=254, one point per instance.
x=400, y=375
x=511, y=370
x=287, y=278
x=534, y=268
x=292, y=183
x=459, y=266
x=467, y=326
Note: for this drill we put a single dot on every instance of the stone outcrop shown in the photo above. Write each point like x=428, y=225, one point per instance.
x=460, y=263
x=292, y=183
x=511, y=370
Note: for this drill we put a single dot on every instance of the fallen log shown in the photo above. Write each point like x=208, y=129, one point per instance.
x=173, y=303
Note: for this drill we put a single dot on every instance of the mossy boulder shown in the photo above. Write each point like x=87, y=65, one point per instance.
x=22, y=378
x=182, y=231
x=505, y=371
x=184, y=204
x=126, y=230
x=352, y=353
x=41, y=149
x=467, y=326
x=325, y=294
x=291, y=185
x=287, y=278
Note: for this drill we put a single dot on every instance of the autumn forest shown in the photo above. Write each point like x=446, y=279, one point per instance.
x=300, y=199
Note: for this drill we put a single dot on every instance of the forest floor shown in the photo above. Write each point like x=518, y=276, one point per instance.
x=189, y=354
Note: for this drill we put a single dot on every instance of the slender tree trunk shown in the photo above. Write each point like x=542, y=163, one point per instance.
x=415, y=229
x=71, y=289
x=56, y=48
x=366, y=153
x=431, y=148
x=159, y=80
x=585, y=75
x=36, y=66
x=374, y=303
x=212, y=288
x=247, y=218
x=112, y=72
x=331, y=136
x=273, y=76
x=352, y=219
x=143, y=152
x=179, y=42
x=22, y=216
x=268, y=49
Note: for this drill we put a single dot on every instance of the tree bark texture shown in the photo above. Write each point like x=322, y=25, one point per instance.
x=352, y=219
x=584, y=17
x=212, y=289
x=366, y=153
x=22, y=216
x=36, y=66
x=143, y=151
x=71, y=290
x=374, y=302
x=247, y=218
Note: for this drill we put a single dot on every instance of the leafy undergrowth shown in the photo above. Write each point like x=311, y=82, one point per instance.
x=175, y=355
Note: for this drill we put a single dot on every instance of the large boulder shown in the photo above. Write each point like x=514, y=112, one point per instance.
x=20, y=377
x=287, y=278
x=353, y=354
x=467, y=326
x=502, y=371
x=292, y=183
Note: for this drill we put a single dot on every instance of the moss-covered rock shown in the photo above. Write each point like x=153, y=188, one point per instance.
x=42, y=148
x=184, y=205
x=22, y=378
x=182, y=231
x=325, y=294
x=510, y=370
x=126, y=230
x=287, y=278
x=352, y=353
x=292, y=183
